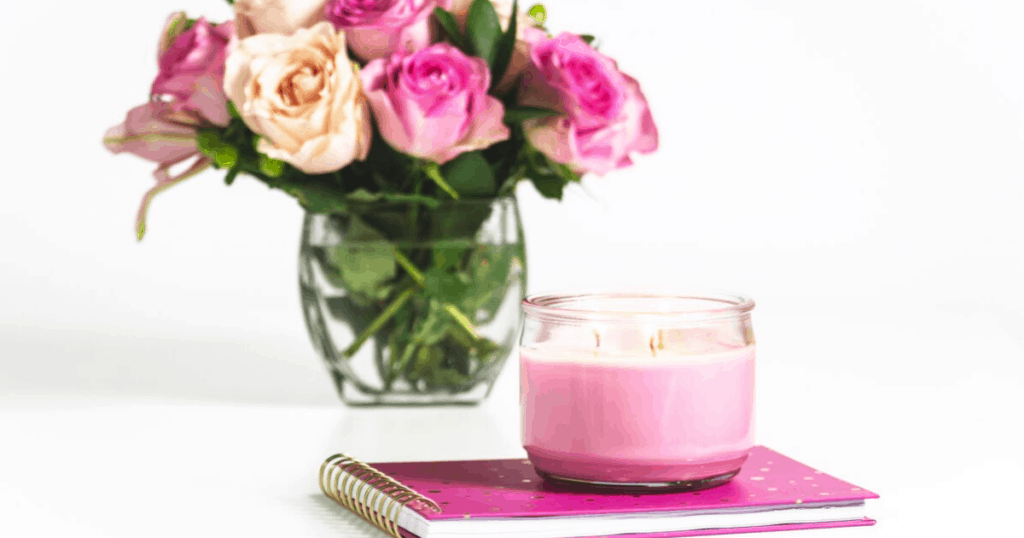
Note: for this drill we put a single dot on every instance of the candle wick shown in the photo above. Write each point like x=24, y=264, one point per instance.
x=661, y=339
x=653, y=352
x=597, y=338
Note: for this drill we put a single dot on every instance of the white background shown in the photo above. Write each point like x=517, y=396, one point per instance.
x=856, y=167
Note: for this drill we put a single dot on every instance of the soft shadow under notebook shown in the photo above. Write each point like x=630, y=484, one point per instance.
x=506, y=498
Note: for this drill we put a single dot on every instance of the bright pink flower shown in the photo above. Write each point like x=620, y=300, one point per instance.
x=433, y=104
x=376, y=28
x=606, y=117
x=157, y=132
x=191, y=76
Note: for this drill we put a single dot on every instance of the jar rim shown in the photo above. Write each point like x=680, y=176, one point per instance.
x=571, y=305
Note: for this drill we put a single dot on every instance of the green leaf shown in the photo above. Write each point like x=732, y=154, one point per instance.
x=523, y=113
x=447, y=287
x=271, y=167
x=505, y=48
x=428, y=360
x=450, y=27
x=485, y=350
x=549, y=186
x=470, y=174
x=313, y=196
x=346, y=310
x=461, y=338
x=233, y=111
x=483, y=30
x=447, y=377
x=588, y=38
x=447, y=254
x=222, y=154
x=457, y=221
x=548, y=176
x=363, y=195
x=490, y=269
x=364, y=263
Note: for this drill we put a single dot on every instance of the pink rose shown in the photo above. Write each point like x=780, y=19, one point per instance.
x=606, y=117
x=433, y=104
x=191, y=73
x=376, y=28
x=157, y=132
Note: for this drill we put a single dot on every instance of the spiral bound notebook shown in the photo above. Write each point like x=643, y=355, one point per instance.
x=506, y=498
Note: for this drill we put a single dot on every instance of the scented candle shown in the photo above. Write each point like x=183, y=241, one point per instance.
x=653, y=390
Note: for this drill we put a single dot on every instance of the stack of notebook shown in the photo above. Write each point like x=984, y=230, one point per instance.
x=506, y=498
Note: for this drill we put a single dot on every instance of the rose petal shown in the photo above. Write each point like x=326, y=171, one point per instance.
x=302, y=94
x=276, y=16
x=147, y=133
x=209, y=100
x=486, y=129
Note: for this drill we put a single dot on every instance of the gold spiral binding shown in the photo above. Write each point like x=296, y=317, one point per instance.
x=368, y=493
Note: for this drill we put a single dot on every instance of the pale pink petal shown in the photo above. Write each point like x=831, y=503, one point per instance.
x=146, y=133
x=209, y=100
x=536, y=92
x=389, y=122
x=371, y=43
x=405, y=28
x=276, y=16
x=554, y=137
x=647, y=139
x=486, y=129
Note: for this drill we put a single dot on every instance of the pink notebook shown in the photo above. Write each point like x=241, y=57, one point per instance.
x=506, y=498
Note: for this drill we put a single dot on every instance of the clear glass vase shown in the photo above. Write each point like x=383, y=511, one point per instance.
x=414, y=304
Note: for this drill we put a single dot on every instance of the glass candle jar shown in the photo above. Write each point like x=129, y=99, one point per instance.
x=637, y=390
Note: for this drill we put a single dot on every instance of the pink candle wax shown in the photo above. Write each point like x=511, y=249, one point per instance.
x=639, y=417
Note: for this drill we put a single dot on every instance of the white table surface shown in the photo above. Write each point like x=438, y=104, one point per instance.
x=108, y=435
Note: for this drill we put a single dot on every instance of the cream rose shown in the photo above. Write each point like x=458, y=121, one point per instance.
x=303, y=94
x=276, y=16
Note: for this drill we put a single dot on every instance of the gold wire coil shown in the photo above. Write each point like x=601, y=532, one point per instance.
x=367, y=492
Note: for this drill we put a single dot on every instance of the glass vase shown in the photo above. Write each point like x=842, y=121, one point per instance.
x=414, y=304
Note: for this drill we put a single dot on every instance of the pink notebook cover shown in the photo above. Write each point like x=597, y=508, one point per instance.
x=511, y=488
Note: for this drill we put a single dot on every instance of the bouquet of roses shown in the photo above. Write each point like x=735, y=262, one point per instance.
x=344, y=103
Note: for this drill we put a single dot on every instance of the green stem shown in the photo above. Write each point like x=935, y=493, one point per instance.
x=462, y=320
x=379, y=322
x=399, y=365
x=434, y=173
x=414, y=210
x=421, y=279
x=410, y=268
